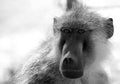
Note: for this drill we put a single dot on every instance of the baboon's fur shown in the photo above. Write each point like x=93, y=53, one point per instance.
x=43, y=66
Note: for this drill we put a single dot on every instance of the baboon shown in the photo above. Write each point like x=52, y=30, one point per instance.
x=74, y=53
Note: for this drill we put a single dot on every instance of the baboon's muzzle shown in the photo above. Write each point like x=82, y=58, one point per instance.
x=72, y=61
x=72, y=68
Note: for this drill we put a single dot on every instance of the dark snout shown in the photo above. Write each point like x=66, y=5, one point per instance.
x=72, y=68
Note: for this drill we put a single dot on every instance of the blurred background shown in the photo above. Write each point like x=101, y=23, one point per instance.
x=23, y=25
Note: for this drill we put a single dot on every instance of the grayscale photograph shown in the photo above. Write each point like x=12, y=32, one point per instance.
x=59, y=42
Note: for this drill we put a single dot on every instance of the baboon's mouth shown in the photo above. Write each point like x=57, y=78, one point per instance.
x=72, y=74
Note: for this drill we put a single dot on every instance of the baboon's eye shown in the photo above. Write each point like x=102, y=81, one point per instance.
x=66, y=30
x=81, y=31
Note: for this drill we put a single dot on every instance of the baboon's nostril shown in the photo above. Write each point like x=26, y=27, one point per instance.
x=68, y=61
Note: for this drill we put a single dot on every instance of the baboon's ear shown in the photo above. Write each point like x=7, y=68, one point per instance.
x=54, y=25
x=109, y=28
x=55, y=20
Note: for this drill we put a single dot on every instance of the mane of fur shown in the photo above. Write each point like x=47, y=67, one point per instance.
x=43, y=66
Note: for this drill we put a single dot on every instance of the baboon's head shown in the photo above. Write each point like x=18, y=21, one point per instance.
x=75, y=30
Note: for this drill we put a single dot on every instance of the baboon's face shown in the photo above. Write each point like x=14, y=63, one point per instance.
x=76, y=47
x=75, y=43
